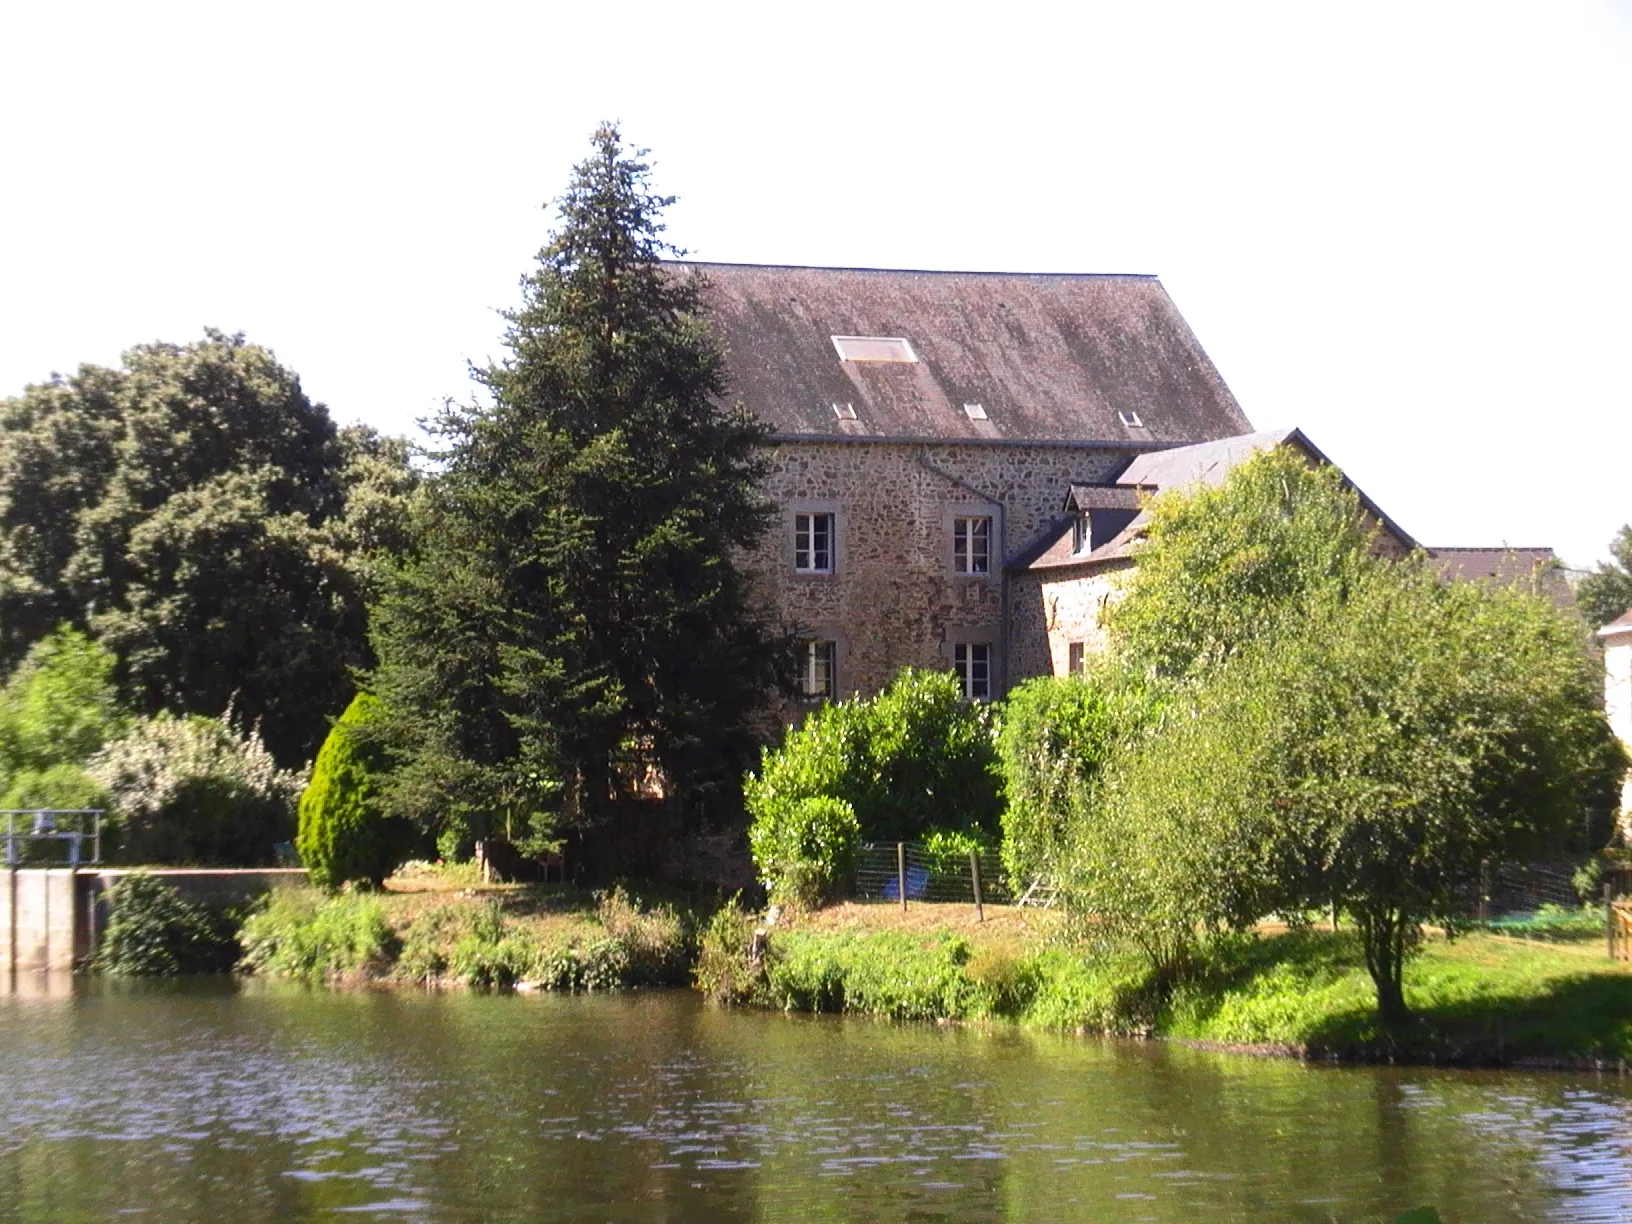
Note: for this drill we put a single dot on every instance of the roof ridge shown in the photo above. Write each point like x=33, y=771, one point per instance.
x=770, y=267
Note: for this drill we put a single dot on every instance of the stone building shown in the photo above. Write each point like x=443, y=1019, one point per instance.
x=926, y=427
x=960, y=459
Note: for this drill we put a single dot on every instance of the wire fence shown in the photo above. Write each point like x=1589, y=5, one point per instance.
x=883, y=867
x=1523, y=888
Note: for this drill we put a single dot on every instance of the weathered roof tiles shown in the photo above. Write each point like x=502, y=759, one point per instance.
x=1050, y=358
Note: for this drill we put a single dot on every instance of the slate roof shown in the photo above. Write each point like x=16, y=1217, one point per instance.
x=1204, y=463
x=1050, y=358
x=1508, y=566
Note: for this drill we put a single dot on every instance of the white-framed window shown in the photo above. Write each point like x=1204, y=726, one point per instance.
x=1075, y=658
x=813, y=543
x=972, y=544
x=819, y=667
x=1082, y=534
x=973, y=663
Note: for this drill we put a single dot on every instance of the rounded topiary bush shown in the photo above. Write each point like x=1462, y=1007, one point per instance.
x=804, y=848
x=342, y=835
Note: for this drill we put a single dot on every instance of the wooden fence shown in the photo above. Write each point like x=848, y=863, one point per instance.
x=1618, y=929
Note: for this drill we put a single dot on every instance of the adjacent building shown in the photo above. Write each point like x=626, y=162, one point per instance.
x=1617, y=641
x=961, y=460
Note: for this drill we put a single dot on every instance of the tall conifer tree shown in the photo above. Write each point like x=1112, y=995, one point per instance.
x=576, y=607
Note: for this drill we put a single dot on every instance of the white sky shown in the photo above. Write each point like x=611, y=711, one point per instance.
x=1402, y=226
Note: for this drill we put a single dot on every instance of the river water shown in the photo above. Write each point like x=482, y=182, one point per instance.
x=230, y=1103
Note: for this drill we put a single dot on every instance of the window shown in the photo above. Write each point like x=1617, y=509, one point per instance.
x=1074, y=657
x=975, y=412
x=845, y=411
x=873, y=348
x=972, y=545
x=813, y=543
x=1082, y=535
x=973, y=663
x=1131, y=420
x=819, y=668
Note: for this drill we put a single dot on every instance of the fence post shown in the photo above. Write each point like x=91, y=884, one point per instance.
x=1609, y=918
x=974, y=878
x=1484, y=890
x=901, y=873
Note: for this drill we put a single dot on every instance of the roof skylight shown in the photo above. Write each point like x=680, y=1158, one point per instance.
x=1131, y=420
x=845, y=412
x=873, y=348
x=975, y=412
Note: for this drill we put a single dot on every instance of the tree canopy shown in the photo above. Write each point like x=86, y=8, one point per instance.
x=575, y=613
x=1607, y=592
x=191, y=509
x=1336, y=727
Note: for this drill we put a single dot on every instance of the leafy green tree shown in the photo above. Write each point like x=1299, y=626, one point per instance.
x=56, y=710
x=1371, y=753
x=1055, y=734
x=193, y=509
x=915, y=756
x=1606, y=593
x=342, y=834
x=1227, y=564
x=575, y=611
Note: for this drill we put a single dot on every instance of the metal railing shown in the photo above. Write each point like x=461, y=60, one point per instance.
x=43, y=828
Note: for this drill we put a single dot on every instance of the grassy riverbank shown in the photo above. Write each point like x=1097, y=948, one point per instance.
x=442, y=930
x=1486, y=998
x=1482, y=999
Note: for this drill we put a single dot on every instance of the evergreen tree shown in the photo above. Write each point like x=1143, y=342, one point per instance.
x=575, y=612
x=1607, y=592
x=341, y=833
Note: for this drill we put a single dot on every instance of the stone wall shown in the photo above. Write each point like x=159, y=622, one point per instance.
x=1052, y=608
x=893, y=598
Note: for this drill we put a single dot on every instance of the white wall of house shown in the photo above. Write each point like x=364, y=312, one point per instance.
x=1617, y=641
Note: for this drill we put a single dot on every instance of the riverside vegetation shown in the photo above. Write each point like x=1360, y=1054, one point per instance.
x=1284, y=722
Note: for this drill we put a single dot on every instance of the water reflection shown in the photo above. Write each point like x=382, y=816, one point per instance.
x=206, y=1102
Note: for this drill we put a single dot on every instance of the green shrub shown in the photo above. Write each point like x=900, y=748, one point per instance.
x=1055, y=734
x=878, y=974
x=306, y=935
x=1005, y=983
x=805, y=849
x=653, y=943
x=196, y=790
x=915, y=756
x=57, y=708
x=948, y=850
x=726, y=971
x=153, y=930
x=342, y=835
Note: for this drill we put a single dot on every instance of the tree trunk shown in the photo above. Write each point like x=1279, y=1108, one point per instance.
x=1386, y=937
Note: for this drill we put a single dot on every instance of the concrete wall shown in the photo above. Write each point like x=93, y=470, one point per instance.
x=893, y=598
x=50, y=918
x=40, y=920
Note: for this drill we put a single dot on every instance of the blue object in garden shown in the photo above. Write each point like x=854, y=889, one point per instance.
x=917, y=885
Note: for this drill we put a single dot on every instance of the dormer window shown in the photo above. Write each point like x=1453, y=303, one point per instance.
x=1082, y=534
x=873, y=348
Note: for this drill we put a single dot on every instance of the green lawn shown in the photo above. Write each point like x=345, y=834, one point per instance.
x=1480, y=999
